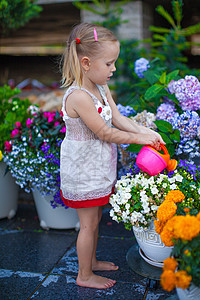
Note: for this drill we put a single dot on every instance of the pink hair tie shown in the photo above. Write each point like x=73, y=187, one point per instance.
x=95, y=35
x=77, y=41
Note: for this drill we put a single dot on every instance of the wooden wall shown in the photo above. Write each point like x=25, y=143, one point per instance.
x=45, y=34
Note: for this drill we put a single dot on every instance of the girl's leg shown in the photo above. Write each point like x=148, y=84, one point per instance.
x=101, y=265
x=88, y=218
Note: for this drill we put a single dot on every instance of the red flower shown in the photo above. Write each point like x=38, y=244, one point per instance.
x=99, y=110
x=61, y=113
x=8, y=146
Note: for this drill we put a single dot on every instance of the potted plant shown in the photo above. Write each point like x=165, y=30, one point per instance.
x=138, y=197
x=13, y=111
x=33, y=157
x=180, y=227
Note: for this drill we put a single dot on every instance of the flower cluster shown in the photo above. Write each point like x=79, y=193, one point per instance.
x=188, y=123
x=33, y=153
x=125, y=110
x=183, y=267
x=141, y=65
x=187, y=91
x=137, y=197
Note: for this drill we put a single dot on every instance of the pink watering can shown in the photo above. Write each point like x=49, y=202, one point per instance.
x=153, y=162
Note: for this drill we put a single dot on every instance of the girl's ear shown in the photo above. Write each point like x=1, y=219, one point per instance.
x=85, y=63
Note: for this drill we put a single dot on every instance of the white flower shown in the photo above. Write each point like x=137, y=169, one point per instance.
x=199, y=191
x=154, y=190
x=173, y=186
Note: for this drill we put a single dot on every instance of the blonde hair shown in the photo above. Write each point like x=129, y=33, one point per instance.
x=84, y=32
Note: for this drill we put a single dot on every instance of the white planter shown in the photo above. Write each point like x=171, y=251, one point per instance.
x=8, y=193
x=192, y=293
x=154, y=251
x=57, y=218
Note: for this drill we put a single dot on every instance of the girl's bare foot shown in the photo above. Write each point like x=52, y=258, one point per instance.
x=104, y=266
x=95, y=281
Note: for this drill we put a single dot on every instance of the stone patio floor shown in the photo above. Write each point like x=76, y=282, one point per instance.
x=41, y=264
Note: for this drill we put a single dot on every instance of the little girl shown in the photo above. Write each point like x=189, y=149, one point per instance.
x=88, y=152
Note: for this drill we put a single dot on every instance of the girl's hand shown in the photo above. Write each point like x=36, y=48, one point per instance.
x=154, y=140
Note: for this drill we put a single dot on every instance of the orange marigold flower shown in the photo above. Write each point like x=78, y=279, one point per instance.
x=167, y=280
x=158, y=226
x=166, y=211
x=166, y=237
x=198, y=216
x=182, y=279
x=170, y=264
x=187, y=227
x=175, y=196
x=186, y=209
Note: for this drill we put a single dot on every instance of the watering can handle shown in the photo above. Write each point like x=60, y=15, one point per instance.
x=164, y=149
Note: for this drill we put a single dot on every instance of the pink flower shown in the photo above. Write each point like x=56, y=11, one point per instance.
x=14, y=132
x=18, y=124
x=8, y=146
x=29, y=122
x=56, y=123
x=63, y=130
x=46, y=114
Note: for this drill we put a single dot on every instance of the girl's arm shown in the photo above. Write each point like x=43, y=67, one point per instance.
x=82, y=105
x=127, y=124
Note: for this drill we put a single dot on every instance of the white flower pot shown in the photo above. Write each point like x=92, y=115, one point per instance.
x=8, y=193
x=57, y=218
x=154, y=251
x=192, y=293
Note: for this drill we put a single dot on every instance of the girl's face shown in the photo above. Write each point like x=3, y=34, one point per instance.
x=102, y=67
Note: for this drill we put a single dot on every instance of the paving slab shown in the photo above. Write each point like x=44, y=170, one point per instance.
x=32, y=251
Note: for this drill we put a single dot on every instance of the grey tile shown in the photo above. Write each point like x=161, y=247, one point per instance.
x=32, y=251
x=18, y=285
x=64, y=287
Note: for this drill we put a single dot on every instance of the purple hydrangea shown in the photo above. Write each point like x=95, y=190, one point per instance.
x=141, y=65
x=165, y=111
x=188, y=123
x=187, y=91
x=125, y=110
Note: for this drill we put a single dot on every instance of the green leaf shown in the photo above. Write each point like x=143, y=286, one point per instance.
x=163, y=78
x=164, y=126
x=153, y=91
x=171, y=76
x=159, y=37
x=160, y=9
x=134, y=148
x=175, y=135
x=165, y=138
x=151, y=76
x=159, y=29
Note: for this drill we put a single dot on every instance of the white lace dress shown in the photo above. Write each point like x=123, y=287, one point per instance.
x=87, y=164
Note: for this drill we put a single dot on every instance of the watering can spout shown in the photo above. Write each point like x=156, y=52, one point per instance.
x=172, y=164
